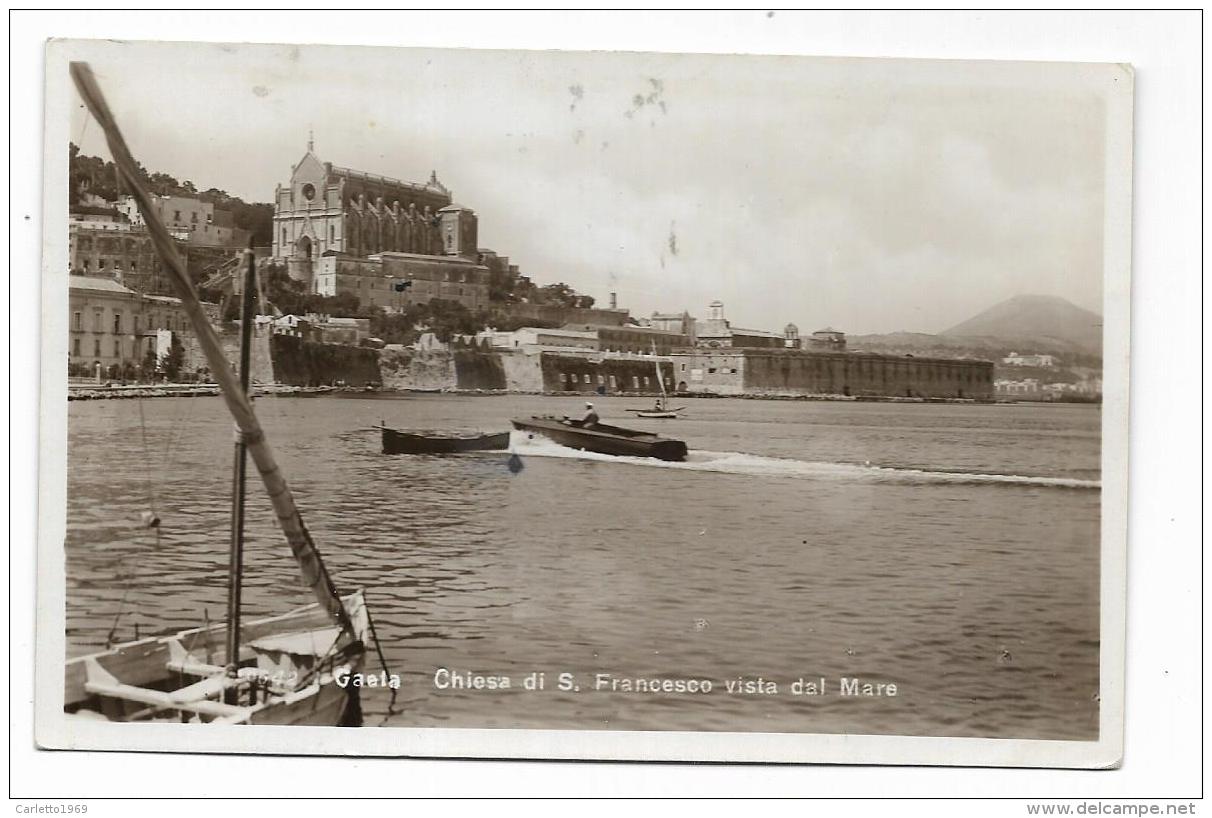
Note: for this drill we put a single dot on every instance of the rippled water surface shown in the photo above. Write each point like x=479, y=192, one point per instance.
x=951, y=551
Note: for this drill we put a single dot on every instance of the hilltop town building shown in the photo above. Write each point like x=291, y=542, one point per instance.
x=373, y=279
x=827, y=340
x=97, y=217
x=1044, y=361
x=537, y=339
x=634, y=339
x=113, y=250
x=791, y=337
x=716, y=332
x=111, y=241
x=189, y=219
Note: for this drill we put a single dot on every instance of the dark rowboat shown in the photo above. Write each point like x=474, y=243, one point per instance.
x=604, y=439
x=396, y=442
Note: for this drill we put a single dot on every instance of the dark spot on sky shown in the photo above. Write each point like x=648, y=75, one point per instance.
x=260, y=90
x=655, y=96
x=673, y=239
x=769, y=14
x=578, y=136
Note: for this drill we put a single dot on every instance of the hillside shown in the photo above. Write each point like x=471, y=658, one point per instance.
x=1025, y=324
x=100, y=178
x=1032, y=321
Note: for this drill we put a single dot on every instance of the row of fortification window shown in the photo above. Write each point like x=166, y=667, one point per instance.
x=869, y=368
x=603, y=380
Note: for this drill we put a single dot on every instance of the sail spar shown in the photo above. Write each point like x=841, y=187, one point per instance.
x=311, y=565
x=660, y=378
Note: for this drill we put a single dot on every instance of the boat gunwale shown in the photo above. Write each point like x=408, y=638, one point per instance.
x=599, y=430
x=440, y=435
x=357, y=614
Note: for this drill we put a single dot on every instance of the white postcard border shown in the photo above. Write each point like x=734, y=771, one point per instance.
x=53, y=729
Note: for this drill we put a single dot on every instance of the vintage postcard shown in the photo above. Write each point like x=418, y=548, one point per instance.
x=583, y=405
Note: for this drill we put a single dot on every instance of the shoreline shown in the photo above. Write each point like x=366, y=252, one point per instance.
x=121, y=392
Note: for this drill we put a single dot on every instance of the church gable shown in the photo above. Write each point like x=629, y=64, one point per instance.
x=309, y=169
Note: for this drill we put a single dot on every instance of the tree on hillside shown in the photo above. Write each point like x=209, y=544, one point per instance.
x=561, y=295
x=102, y=180
x=450, y=318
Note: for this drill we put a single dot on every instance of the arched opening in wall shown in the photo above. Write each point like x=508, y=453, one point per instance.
x=961, y=393
x=846, y=390
x=681, y=386
x=303, y=247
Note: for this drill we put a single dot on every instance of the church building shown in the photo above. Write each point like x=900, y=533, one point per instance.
x=330, y=209
x=341, y=230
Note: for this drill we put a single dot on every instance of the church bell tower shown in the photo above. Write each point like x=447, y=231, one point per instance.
x=459, y=228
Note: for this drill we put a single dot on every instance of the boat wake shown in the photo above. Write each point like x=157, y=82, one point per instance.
x=524, y=445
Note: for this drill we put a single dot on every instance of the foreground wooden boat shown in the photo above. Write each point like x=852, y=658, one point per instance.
x=293, y=669
x=296, y=668
x=604, y=439
x=398, y=442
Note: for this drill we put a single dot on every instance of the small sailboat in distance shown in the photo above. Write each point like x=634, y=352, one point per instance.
x=661, y=409
x=290, y=669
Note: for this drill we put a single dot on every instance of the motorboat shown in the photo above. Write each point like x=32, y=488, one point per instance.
x=603, y=439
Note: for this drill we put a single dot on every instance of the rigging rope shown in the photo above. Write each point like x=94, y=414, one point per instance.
x=391, y=704
x=150, y=519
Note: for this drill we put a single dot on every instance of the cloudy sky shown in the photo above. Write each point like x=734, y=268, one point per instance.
x=868, y=195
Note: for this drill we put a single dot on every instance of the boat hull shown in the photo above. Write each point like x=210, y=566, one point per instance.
x=397, y=442
x=605, y=439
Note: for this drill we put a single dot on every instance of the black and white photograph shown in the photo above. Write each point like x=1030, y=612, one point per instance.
x=597, y=405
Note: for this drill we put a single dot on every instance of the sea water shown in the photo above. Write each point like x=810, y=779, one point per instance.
x=839, y=567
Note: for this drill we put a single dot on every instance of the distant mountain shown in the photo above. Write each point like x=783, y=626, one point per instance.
x=1025, y=324
x=1034, y=321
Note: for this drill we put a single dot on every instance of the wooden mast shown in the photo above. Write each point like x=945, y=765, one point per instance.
x=311, y=565
x=660, y=380
x=240, y=470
